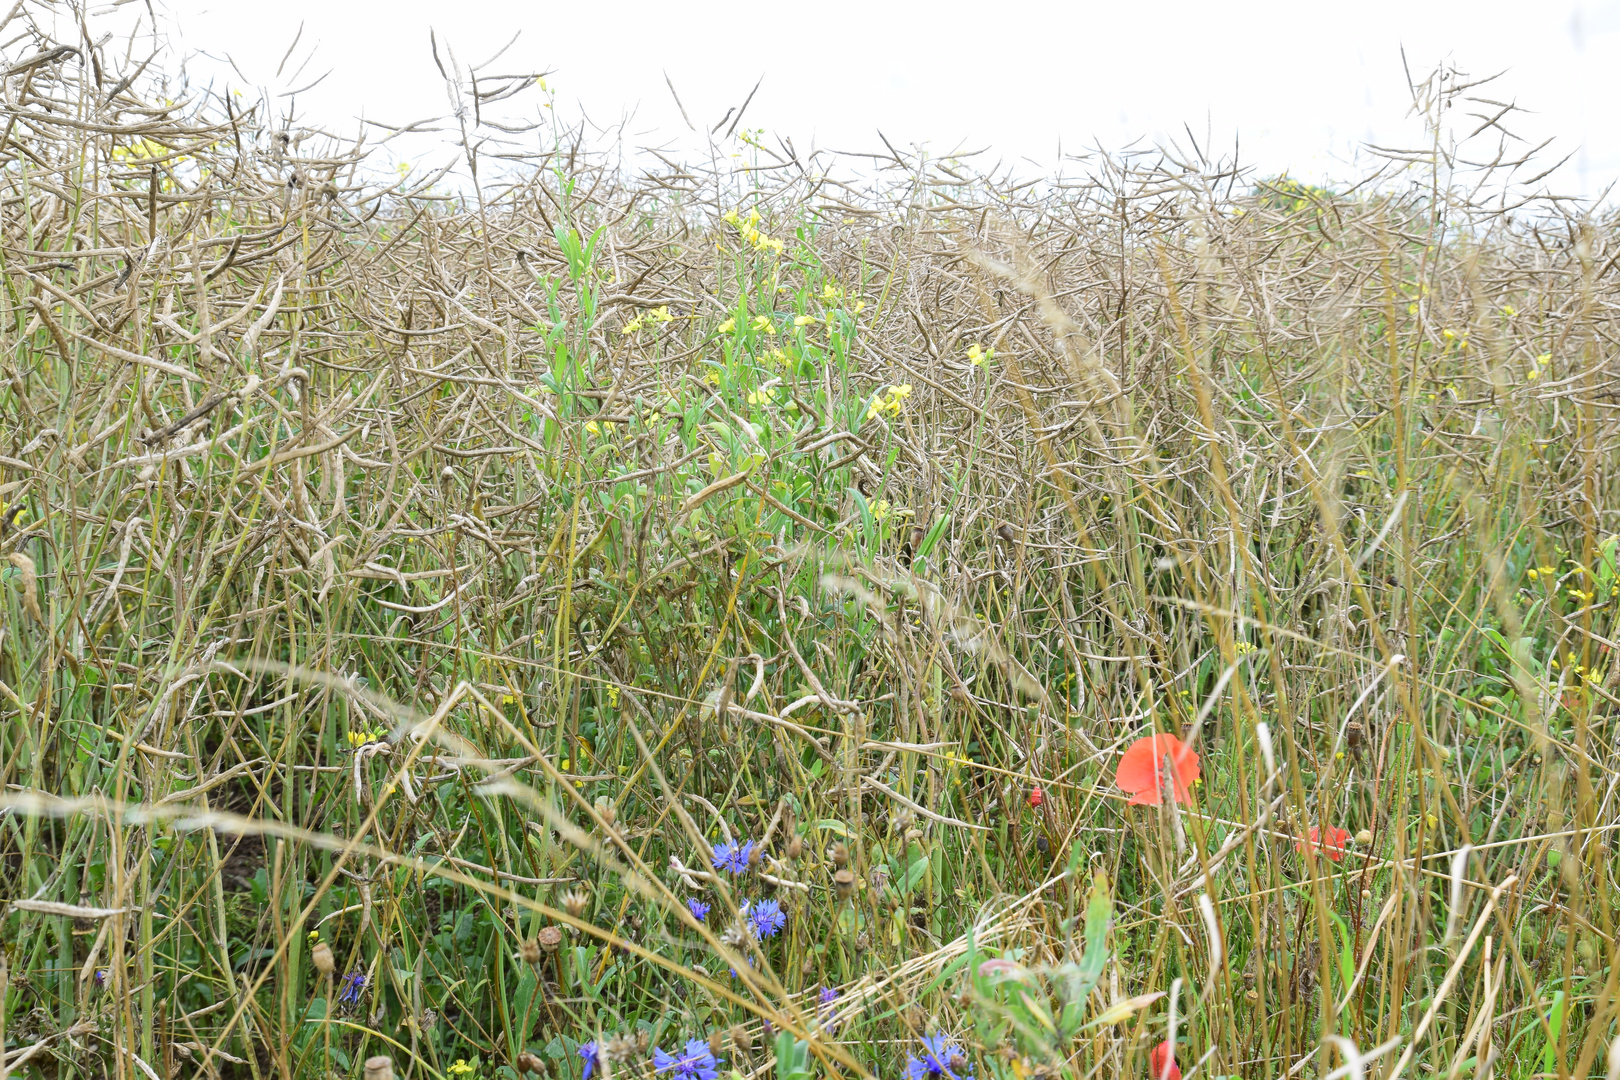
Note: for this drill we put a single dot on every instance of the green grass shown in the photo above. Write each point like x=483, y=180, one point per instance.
x=531, y=545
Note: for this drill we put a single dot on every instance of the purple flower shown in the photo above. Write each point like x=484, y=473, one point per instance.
x=765, y=917
x=940, y=1056
x=733, y=857
x=588, y=1052
x=697, y=1063
x=827, y=996
x=354, y=984
x=698, y=908
x=101, y=977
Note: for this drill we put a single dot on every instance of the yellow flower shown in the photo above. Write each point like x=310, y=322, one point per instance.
x=1548, y=571
x=1579, y=595
x=805, y=320
x=761, y=323
x=759, y=397
x=728, y=326
x=508, y=699
x=460, y=1068
x=594, y=428
x=1507, y=309
x=979, y=357
x=1532, y=573
x=613, y=696
x=314, y=936
x=1411, y=309
x=661, y=314
x=1447, y=334
x=880, y=509
x=712, y=377
x=630, y=327
x=860, y=306
x=829, y=291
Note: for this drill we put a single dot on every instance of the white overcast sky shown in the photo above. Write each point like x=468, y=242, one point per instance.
x=1301, y=85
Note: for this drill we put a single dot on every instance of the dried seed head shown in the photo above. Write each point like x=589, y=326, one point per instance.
x=606, y=810
x=380, y=1067
x=756, y=857
x=844, y=883
x=717, y=1042
x=742, y=1038
x=531, y=952
x=574, y=902
x=549, y=938
x=643, y=1041
x=528, y=1063
x=795, y=848
x=623, y=1048
x=321, y=956
x=839, y=855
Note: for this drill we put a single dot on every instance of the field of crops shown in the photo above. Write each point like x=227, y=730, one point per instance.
x=792, y=617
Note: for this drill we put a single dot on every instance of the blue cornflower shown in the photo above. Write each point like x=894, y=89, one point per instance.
x=698, y=908
x=827, y=996
x=588, y=1052
x=939, y=1057
x=354, y=983
x=698, y=1063
x=766, y=918
x=733, y=857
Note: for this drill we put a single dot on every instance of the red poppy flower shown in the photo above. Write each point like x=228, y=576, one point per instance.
x=1141, y=769
x=1036, y=796
x=1330, y=843
x=1162, y=1063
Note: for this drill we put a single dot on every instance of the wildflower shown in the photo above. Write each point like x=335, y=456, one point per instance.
x=660, y=314
x=829, y=291
x=630, y=327
x=766, y=918
x=1162, y=1063
x=728, y=326
x=101, y=978
x=1036, y=796
x=460, y=1068
x=979, y=357
x=354, y=984
x=1330, y=843
x=1141, y=769
x=940, y=1057
x=827, y=998
x=804, y=320
x=588, y=1052
x=698, y=908
x=594, y=428
x=764, y=325
x=734, y=856
x=697, y=1063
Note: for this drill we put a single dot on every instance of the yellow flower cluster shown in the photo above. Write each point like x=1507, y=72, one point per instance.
x=361, y=738
x=980, y=357
x=748, y=227
x=889, y=400
x=654, y=317
x=1538, y=366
